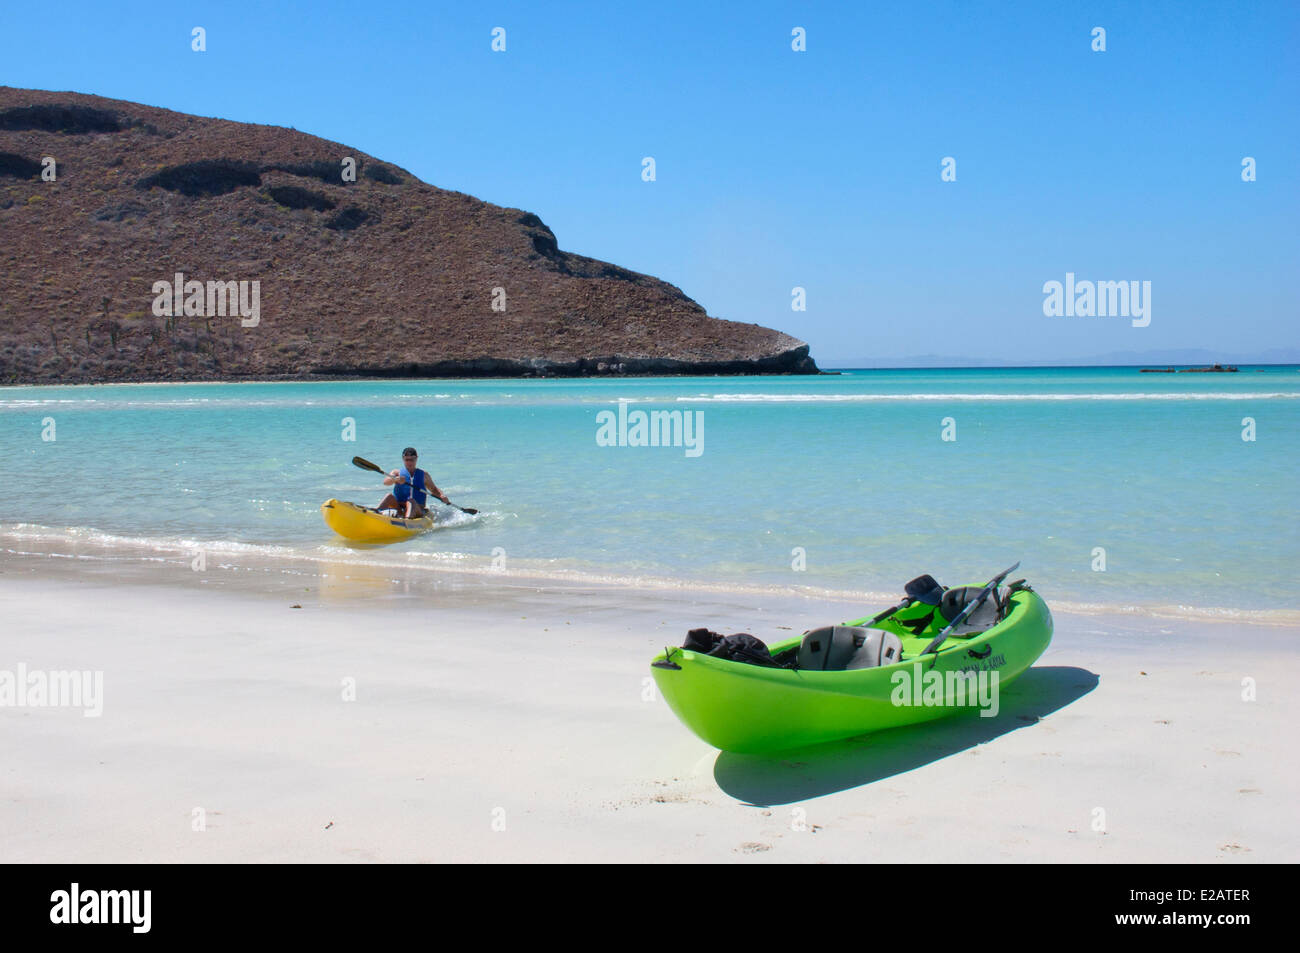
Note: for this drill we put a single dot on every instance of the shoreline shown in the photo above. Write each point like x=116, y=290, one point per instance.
x=792, y=363
x=49, y=548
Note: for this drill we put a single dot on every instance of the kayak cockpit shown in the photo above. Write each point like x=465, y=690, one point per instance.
x=931, y=618
x=866, y=651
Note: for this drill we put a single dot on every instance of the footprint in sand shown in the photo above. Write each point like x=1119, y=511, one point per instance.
x=1235, y=849
x=753, y=847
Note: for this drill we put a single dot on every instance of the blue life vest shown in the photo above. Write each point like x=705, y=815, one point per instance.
x=402, y=491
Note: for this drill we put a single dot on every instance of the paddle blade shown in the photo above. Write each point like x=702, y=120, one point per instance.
x=365, y=464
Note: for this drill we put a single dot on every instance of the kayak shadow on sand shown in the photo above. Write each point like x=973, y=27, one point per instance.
x=792, y=776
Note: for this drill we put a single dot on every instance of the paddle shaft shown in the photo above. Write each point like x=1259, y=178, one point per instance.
x=970, y=607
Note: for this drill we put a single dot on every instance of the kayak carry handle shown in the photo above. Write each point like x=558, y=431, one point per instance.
x=667, y=661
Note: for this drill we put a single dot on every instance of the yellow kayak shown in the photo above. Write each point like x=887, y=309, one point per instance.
x=364, y=525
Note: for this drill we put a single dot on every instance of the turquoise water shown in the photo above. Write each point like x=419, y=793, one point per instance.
x=850, y=470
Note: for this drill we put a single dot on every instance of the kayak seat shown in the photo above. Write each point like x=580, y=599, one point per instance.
x=924, y=589
x=839, y=648
x=985, y=617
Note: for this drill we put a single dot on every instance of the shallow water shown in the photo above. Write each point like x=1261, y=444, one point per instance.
x=839, y=483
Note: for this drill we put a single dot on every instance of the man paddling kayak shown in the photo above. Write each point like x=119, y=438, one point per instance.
x=411, y=487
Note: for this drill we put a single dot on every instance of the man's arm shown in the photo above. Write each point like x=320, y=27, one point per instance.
x=394, y=476
x=432, y=489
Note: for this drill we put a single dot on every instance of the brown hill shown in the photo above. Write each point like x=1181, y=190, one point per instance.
x=382, y=276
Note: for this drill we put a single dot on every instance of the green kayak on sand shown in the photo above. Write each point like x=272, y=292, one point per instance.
x=939, y=652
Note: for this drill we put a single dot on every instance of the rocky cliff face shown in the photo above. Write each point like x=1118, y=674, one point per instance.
x=350, y=266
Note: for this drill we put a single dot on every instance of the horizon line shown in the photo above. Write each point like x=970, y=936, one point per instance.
x=1045, y=366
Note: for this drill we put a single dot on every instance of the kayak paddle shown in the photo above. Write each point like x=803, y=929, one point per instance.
x=970, y=607
x=365, y=464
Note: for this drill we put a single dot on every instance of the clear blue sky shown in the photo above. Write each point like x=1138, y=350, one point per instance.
x=776, y=168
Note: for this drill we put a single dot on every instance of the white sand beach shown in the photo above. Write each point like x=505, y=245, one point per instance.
x=494, y=721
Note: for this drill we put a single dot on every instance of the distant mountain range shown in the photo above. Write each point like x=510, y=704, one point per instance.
x=1160, y=358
